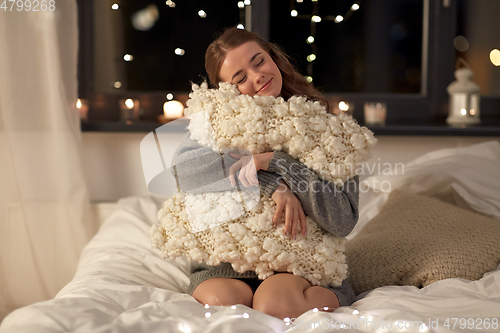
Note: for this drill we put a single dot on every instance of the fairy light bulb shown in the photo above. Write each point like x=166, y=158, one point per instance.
x=310, y=40
x=316, y=18
x=294, y=13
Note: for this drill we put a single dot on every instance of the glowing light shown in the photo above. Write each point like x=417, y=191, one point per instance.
x=286, y=319
x=309, y=79
x=184, y=328
x=170, y=96
x=241, y=4
x=128, y=57
x=146, y=18
x=117, y=85
x=339, y=19
x=463, y=112
x=300, y=1
x=314, y=0
x=355, y=7
x=202, y=14
x=472, y=112
x=129, y=103
x=294, y=13
x=343, y=106
x=311, y=57
x=115, y=6
x=208, y=314
x=355, y=312
x=315, y=310
x=78, y=103
x=246, y=315
x=170, y=3
x=240, y=26
x=495, y=57
x=233, y=307
x=310, y=40
x=207, y=306
x=247, y=2
x=316, y=18
x=179, y=51
x=326, y=308
x=174, y=110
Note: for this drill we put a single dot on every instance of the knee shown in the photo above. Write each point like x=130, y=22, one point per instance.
x=281, y=296
x=274, y=306
x=217, y=298
x=223, y=292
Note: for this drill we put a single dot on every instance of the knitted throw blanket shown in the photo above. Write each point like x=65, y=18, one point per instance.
x=236, y=226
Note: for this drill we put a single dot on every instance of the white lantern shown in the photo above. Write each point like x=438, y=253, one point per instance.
x=464, y=99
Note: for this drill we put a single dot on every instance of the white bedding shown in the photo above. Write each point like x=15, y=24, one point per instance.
x=122, y=284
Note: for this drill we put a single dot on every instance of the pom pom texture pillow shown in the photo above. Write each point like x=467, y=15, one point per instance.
x=237, y=227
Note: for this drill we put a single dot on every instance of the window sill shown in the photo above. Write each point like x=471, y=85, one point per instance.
x=490, y=128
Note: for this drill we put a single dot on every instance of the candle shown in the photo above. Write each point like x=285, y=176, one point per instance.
x=173, y=109
x=375, y=113
x=129, y=109
x=83, y=108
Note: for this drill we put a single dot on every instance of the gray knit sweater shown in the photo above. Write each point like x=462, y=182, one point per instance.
x=199, y=169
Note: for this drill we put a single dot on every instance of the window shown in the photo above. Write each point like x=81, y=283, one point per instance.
x=401, y=52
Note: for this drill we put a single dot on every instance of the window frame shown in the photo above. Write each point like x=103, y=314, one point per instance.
x=430, y=107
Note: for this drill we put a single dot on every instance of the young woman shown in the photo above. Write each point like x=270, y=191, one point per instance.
x=257, y=67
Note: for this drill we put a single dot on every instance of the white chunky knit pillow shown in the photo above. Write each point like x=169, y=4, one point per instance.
x=236, y=227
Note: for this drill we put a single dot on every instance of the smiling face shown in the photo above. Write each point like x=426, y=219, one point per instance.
x=252, y=70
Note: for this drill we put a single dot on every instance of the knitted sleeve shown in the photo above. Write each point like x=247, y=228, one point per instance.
x=333, y=208
x=199, y=169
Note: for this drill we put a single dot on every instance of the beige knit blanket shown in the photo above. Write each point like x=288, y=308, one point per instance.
x=236, y=227
x=417, y=240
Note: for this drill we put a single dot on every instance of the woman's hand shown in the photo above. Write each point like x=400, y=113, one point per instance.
x=249, y=165
x=294, y=214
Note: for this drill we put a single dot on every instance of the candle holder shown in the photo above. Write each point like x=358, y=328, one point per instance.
x=83, y=109
x=375, y=113
x=464, y=99
x=129, y=109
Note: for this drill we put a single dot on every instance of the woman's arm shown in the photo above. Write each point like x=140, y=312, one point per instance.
x=199, y=169
x=332, y=208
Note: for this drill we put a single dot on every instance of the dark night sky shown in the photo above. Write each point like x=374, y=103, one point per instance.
x=343, y=56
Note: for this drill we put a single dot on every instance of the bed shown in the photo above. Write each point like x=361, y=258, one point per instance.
x=123, y=285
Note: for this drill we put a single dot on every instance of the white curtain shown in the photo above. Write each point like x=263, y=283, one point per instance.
x=45, y=215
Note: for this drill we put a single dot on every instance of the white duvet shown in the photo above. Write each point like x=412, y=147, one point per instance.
x=123, y=285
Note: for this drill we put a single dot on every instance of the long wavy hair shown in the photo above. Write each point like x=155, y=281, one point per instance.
x=293, y=82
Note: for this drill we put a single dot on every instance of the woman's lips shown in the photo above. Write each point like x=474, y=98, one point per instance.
x=265, y=86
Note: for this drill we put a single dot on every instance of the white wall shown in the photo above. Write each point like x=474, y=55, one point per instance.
x=114, y=170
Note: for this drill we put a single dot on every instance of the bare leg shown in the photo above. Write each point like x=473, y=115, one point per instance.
x=287, y=295
x=223, y=291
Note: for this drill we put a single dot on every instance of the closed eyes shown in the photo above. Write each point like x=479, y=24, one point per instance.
x=243, y=79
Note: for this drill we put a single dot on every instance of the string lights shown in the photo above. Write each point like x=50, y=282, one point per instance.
x=314, y=18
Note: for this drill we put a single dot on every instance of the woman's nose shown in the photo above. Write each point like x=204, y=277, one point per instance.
x=258, y=77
